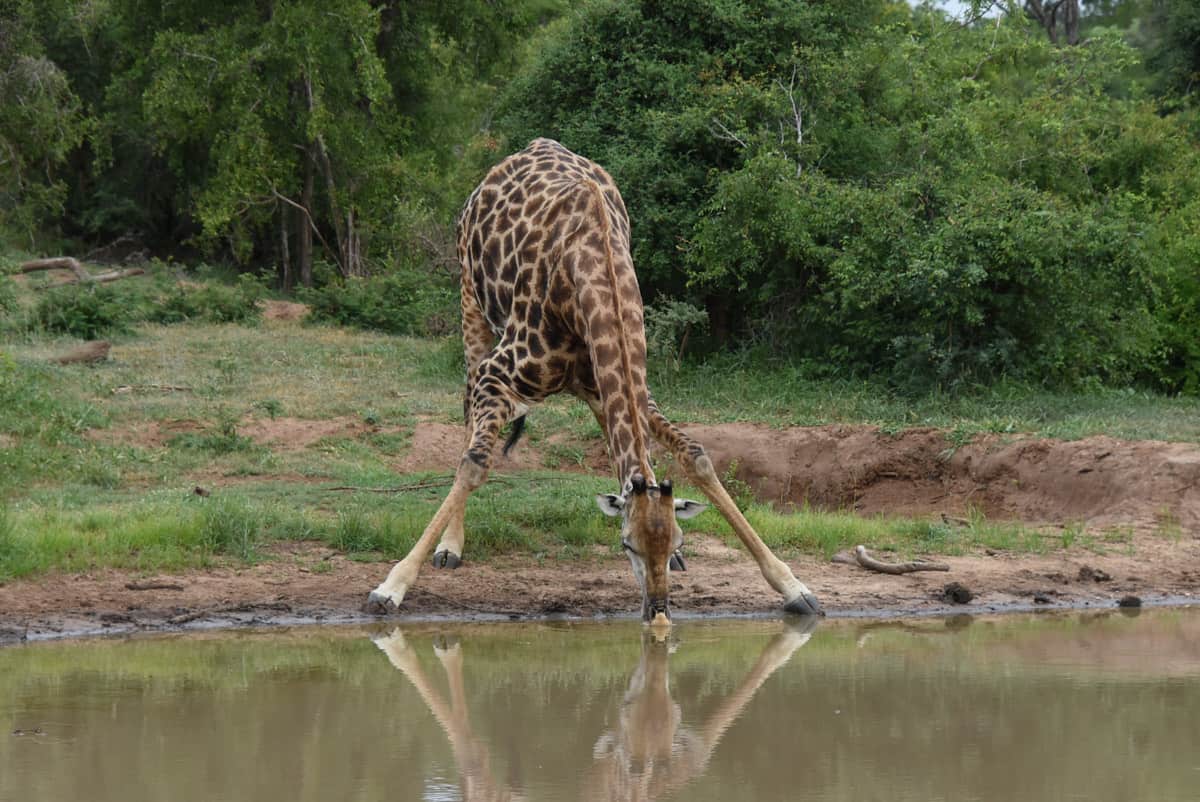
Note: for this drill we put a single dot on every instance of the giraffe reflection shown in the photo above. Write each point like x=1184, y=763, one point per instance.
x=647, y=755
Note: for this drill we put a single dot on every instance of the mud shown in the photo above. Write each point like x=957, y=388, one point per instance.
x=310, y=583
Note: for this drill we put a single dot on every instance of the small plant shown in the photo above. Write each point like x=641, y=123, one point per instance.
x=1070, y=534
x=230, y=527
x=8, y=543
x=741, y=491
x=669, y=323
x=273, y=407
x=220, y=438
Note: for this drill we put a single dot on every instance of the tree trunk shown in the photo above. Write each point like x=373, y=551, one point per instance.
x=306, y=200
x=285, y=260
x=1050, y=14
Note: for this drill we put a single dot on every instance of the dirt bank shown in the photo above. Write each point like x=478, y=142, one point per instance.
x=1148, y=490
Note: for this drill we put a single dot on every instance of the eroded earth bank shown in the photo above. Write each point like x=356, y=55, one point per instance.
x=1137, y=503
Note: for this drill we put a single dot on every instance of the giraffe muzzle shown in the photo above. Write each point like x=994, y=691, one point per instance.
x=654, y=608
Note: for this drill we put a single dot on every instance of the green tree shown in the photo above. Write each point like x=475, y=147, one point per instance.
x=41, y=122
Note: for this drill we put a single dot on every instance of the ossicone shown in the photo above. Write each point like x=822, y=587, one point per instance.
x=639, y=483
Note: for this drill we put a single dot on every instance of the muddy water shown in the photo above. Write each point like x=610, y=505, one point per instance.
x=1087, y=707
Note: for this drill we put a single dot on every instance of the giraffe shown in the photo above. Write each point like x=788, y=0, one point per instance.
x=550, y=304
x=648, y=752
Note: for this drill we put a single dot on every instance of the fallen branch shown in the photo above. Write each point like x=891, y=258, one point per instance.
x=78, y=270
x=166, y=388
x=153, y=585
x=869, y=562
x=94, y=351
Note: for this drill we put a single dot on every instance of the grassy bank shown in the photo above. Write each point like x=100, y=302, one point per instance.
x=98, y=464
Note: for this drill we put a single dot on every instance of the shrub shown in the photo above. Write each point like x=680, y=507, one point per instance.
x=213, y=302
x=401, y=302
x=87, y=311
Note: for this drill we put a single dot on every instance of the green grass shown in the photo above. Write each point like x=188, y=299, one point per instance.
x=97, y=463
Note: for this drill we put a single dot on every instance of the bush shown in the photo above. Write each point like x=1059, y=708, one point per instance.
x=215, y=303
x=402, y=302
x=87, y=311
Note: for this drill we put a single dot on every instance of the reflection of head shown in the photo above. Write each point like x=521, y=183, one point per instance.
x=650, y=534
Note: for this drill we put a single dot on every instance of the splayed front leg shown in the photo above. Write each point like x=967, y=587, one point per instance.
x=797, y=598
x=390, y=593
x=796, y=595
x=448, y=553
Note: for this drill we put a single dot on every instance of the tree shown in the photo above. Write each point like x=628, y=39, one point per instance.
x=41, y=122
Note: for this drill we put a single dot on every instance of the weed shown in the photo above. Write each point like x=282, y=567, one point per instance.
x=1070, y=534
x=230, y=527
x=220, y=438
x=273, y=407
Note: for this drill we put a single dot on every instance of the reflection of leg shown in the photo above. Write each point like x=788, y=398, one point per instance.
x=774, y=655
x=490, y=410
x=691, y=455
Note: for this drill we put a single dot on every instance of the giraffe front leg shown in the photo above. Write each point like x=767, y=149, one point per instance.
x=490, y=411
x=390, y=593
x=797, y=598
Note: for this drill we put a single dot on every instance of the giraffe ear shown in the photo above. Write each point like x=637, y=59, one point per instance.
x=609, y=504
x=686, y=508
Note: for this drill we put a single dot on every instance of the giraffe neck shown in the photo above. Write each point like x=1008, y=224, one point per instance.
x=628, y=433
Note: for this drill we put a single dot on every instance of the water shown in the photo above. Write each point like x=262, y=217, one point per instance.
x=1088, y=707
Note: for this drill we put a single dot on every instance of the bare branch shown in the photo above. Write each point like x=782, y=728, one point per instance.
x=797, y=116
x=722, y=132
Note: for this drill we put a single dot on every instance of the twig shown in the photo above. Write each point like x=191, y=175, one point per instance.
x=153, y=585
x=166, y=388
x=869, y=562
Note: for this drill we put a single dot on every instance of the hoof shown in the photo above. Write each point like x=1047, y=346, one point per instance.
x=677, y=563
x=446, y=559
x=443, y=643
x=804, y=604
x=380, y=604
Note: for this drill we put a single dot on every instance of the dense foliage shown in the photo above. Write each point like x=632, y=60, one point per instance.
x=860, y=186
x=881, y=190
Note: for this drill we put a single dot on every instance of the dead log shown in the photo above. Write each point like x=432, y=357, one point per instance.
x=89, y=352
x=869, y=562
x=58, y=263
x=81, y=273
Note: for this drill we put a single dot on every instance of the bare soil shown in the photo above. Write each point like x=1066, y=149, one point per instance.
x=1146, y=489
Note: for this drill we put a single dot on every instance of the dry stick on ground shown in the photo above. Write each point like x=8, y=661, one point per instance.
x=166, y=388
x=76, y=267
x=867, y=561
x=153, y=585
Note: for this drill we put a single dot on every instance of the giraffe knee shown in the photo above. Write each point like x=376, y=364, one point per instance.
x=700, y=467
x=473, y=470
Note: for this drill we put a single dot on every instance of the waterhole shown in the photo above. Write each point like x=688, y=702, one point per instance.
x=1078, y=707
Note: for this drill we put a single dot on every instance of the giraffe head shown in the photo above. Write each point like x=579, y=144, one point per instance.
x=650, y=534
